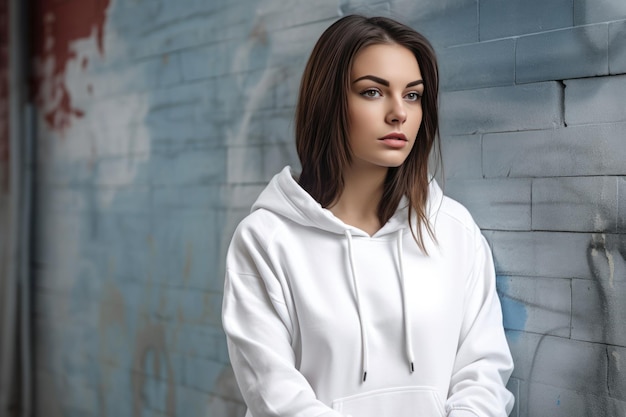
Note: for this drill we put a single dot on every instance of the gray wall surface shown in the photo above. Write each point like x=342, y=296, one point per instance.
x=166, y=118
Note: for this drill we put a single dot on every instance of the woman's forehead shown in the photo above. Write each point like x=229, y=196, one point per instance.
x=388, y=61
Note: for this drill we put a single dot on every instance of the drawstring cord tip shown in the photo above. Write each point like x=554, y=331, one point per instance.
x=412, y=368
x=364, y=376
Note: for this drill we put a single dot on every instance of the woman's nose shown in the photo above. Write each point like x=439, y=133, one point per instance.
x=397, y=112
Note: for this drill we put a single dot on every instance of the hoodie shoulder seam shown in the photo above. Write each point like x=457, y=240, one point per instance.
x=468, y=223
x=249, y=274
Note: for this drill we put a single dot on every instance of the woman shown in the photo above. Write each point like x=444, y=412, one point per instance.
x=358, y=289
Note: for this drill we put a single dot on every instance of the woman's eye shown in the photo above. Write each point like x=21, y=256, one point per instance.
x=413, y=96
x=371, y=93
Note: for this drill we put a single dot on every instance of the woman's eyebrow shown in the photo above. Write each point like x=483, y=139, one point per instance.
x=373, y=78
x=385, y=82
x=414, y=83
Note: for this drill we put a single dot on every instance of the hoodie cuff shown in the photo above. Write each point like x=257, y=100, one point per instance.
x=331, y=414
x=459, y=412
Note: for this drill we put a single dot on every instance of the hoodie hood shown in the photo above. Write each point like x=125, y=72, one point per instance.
x=285, y=197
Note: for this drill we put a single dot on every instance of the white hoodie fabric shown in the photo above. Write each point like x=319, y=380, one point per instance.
x=323, y=319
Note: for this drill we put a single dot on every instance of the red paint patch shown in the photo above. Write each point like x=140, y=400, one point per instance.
x=60, y=23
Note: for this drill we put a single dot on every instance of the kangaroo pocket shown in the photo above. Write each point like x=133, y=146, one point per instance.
x=392, y=402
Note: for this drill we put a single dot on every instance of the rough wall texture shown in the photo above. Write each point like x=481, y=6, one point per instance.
x=160, y=121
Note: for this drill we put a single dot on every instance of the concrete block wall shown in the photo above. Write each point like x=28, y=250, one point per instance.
x=160, y=121
x=533, y=126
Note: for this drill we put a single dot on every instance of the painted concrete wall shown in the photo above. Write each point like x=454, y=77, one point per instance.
x=160, y=121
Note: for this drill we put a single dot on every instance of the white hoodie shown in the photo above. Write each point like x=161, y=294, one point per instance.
x=324, y=320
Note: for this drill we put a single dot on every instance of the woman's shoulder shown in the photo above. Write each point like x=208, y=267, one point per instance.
x=260, y=226
x=457, y=233
x=452, y=211
x=260, y=220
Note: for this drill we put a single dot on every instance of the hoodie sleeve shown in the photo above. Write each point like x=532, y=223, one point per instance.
x=258, y=328
x=483, y=363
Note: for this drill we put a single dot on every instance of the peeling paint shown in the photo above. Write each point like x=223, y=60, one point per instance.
x=63, y=23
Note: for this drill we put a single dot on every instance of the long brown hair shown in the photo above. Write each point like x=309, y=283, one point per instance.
x=322, y=117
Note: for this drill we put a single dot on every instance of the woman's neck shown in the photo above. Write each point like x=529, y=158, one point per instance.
x=358, y=203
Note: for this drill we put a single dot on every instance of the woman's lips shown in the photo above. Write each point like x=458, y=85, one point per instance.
x=395, y=140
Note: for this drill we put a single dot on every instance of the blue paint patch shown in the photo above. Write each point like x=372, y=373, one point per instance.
x=514, y=311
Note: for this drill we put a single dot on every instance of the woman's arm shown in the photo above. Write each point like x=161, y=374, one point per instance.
x=483, y=362
x=259, y=329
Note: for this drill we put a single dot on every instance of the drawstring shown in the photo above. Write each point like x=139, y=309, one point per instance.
x=362, y=320
x=407, y=317
x=358, y=306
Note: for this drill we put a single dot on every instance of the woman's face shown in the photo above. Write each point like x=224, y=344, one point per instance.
x=384, y=105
